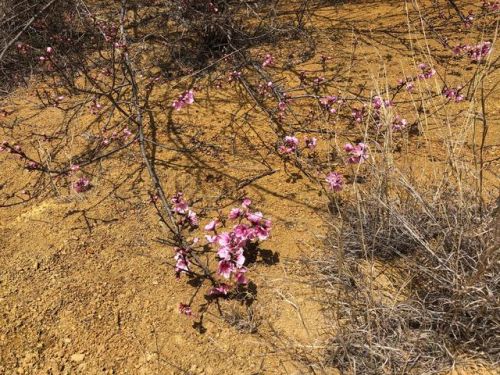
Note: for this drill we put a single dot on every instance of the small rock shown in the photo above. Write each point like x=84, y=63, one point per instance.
x=77, y=357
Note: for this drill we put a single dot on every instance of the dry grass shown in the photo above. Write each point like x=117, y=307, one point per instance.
x=445, y=301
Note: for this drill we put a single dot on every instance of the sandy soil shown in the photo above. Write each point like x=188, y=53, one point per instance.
x=87, y=287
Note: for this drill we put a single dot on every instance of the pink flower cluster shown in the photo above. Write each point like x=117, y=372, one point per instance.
x=426, y=71
x=398, y=123
x=186, y=98
x=311, y=142
x=234, y=76
x=453, y=95
x=469, y=19
x=82, y=185
x=185, y=309
x=220, y=290
x=476, y=53
x=95, y=107
x=32, y=166
x=22, y=48
x=358, y=153
x=328, y=101
x=5, y=146
x=57, y=100
x=181, y=208
x=319, y=81
x=282, y=106
x=182, y=262
x=107, y=29
x=492, y=6
x=335, y=181
x=407, y=83
x=378, y=103
x=265, y=89
x=290, y=145
x=252, y=227
x=47, y=55
x=268, y=60
x=358, y=114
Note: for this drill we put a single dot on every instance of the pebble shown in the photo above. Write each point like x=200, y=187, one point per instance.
x=79, y=357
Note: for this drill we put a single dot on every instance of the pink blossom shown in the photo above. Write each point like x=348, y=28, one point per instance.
x=289, y=146
x=399, y=123
x=246, y=202
x=282, y=106
x=234, y=76
x=235, y=213
x=358, y=114
x=186, y=98
x=266, y=88
x=328, y=101
x=49, y=50
x=268, y=60
x=185, y=309
x=240, y=276
x=239, y=258
x=32, y=165
x=127, y=132
x=219, y=290
x=212, y=225
x=262, y=230
x=192, y=218
x=254, y=217
x=225, y=268
x=224, y=253
x=95, y=107
x=410, y=86
x=182, y=261
x=311, y=142
x=358, y=153
x=378, y=103
x=81, y=185
x=469, y=19
x=224, y=239
x=492, y=6
x=211, y=239
x=480, y=51
x=453, y=94
x=335, y=181
x=319, y=80
x=179, y=204
x=22, y=48
x=459, y=49
x=241, y=231
x=427, y=71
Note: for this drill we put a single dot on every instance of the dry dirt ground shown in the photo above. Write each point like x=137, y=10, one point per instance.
x=87, y=287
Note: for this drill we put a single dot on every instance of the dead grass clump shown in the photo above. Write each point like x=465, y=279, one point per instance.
x=444, y=303
x=244, y=318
